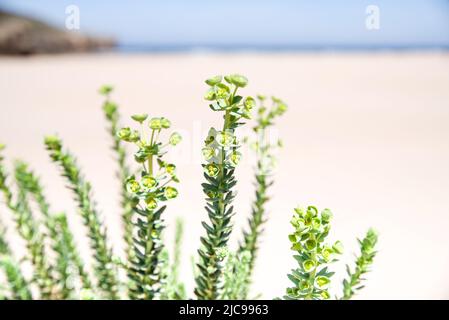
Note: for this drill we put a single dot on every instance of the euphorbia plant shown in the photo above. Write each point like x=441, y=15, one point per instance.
x=104, y=264
x=312, y=277
x=220, y=273
x=28, y=229
x=149, y=189
x=112, y=115
x=264, y=149
x=221, y=156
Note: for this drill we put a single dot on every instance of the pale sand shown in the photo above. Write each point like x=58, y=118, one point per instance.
x=365, y=135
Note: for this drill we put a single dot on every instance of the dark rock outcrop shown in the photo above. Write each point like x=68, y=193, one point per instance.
x=21, y=35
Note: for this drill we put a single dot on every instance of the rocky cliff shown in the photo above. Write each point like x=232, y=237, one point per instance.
x=22, y=35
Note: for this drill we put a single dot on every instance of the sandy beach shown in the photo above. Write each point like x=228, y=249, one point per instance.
x=366, y=135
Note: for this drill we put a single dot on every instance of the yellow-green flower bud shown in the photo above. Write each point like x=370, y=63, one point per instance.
x=326, y=216
x=212, y=194
x=308, y=219
x=312, y=211
x=134, y=136
x=304, y=285
x=224, y=139
x=310, y=244
x=326, y=253
x=293, y=238
x=105, y=90
x=141, y=155
x=170, y=168
x=234, y=158
x=175, y=138
x=208, y=153
x=132, y=186
x=322, y=282
x=165, y=123
x=237, y=80
x=292, y=292
x=213, y=81
x=298, y=223
x=222, y=91
x=325, y=295
x=139, y=117
x=170, y=192
x=249, y=103
x=316, y=223
x=300, y=211
x=124, y=134
x=212, y=170
x=309, y=265
x=148, y=182
x=155, y=123
x=151, y=203
x=210, y=95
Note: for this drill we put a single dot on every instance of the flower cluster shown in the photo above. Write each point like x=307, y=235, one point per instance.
x=266, y=115
x=224, y=95
x=220, y=152
x=148, y=189
x=221, y=147
x=312, y=278
x=151, y=186
x=262, y=146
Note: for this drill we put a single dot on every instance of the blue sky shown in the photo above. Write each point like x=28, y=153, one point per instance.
x=269, y=22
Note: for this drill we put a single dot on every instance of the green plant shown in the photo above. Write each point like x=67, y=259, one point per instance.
x=236, y=275
x=174, y=288
x=362, y=264
x=222, y=156
x=152, y=271
x=68, y=262
x=28, y=229
x=149, y=190
x=312, y=278
x=112, y=115
x=17, y=286
x=104, y=265
x=264, y=149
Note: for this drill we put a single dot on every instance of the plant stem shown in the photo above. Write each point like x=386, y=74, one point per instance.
x=218, y=231
x=105, y=272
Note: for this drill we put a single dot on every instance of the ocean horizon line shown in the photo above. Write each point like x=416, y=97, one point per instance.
x=212, y=47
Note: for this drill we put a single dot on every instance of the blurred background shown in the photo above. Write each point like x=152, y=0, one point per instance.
x=366, y=133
